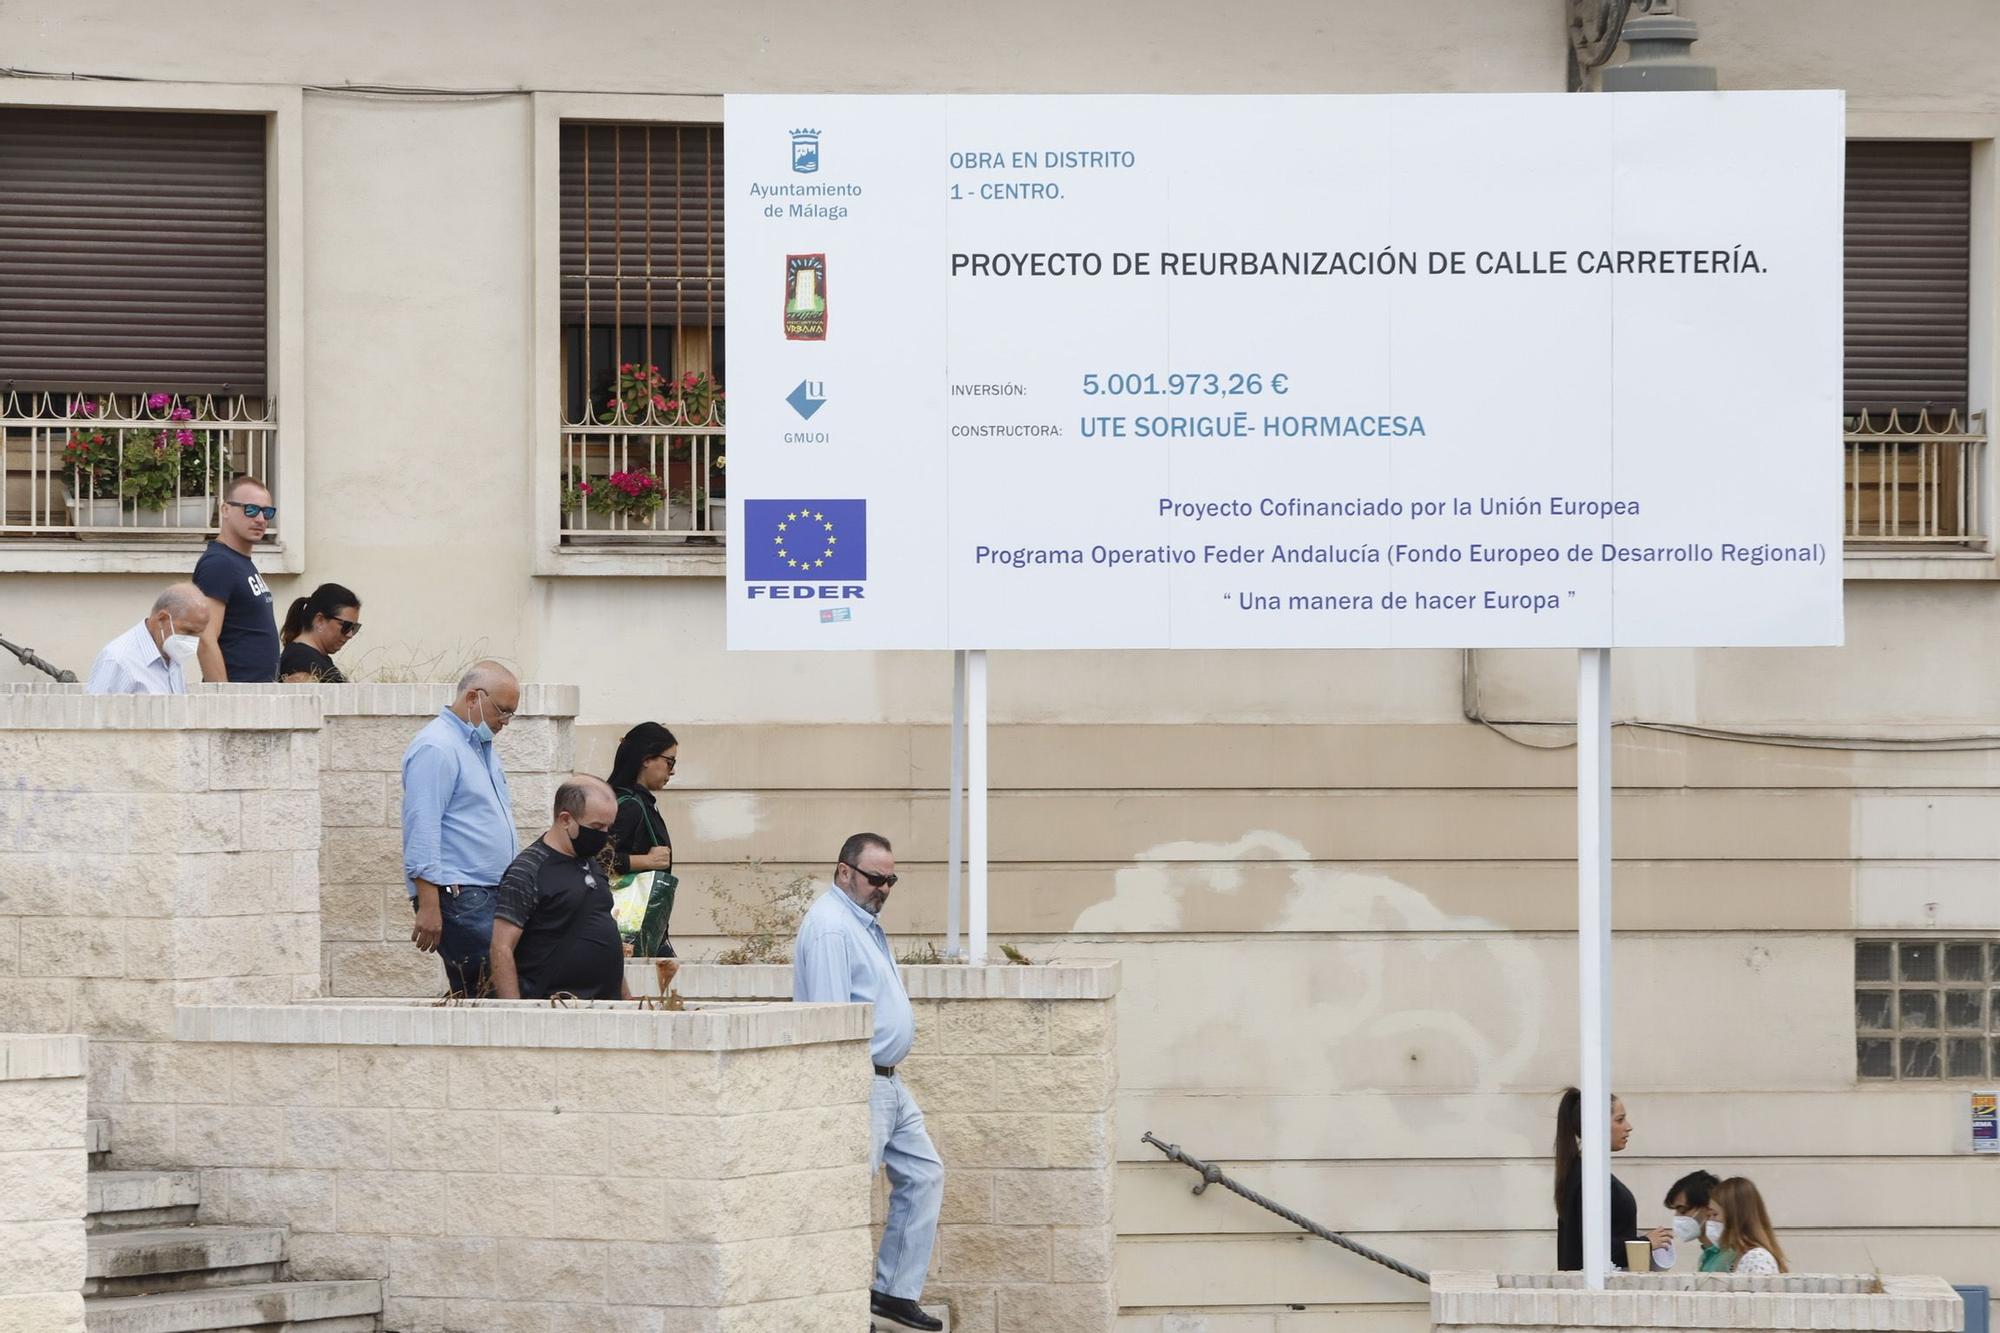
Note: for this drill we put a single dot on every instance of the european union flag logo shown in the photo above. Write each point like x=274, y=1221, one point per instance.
x=806, y=539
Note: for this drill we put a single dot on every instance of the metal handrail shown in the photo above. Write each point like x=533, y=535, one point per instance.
x=1211, y=1174
x=30, y=658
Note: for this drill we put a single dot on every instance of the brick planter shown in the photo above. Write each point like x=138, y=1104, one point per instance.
x=1489, y=1302
x=364, y=908
x=1016, y=1070
x=504, y=1163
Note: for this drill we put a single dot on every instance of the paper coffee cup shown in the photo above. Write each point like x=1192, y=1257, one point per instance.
x=1638, y=1256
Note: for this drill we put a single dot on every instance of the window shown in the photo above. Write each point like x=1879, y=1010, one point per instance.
x=1913, y=446
x=133, y=320
x=640, y=277
x=1927, y=1009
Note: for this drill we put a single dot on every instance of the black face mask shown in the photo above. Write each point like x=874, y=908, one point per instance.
x=588, y=842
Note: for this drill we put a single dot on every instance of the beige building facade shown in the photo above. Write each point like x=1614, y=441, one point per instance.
x=1337, y=883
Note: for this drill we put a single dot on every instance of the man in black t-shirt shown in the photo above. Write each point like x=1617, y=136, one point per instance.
x=241, y=642
x=552, y=925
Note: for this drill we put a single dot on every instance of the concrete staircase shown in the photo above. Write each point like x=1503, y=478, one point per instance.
x=152, y=1270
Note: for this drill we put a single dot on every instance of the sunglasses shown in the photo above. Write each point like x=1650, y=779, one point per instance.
x=874, y=881
x=348, y=628
x=256, y=511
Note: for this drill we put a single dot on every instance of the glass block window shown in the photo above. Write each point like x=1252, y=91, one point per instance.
x=1927, y=1009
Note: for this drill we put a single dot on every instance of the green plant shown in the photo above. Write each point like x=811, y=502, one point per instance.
x=163, y=464
x=149, y=464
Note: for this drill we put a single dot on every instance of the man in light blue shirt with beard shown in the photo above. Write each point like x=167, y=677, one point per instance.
x=842, y=956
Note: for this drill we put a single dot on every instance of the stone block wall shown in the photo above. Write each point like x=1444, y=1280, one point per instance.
x=507, y=1165
x=1015, y=1069
x=1490, y=1303
x=365, y=916
x=42, y=1162
x=155, y=850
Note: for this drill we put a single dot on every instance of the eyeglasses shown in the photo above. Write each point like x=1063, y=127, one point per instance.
x=502, y=709
x=672, y=762
x=257, y=511
x=348, y=628
x=874, y=881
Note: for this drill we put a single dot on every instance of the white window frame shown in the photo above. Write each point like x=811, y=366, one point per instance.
x=285, y=314
x=551, y=557
x=1983, y=357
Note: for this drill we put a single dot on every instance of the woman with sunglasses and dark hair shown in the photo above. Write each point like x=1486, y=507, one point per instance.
x=316, y=628
x=642, y=854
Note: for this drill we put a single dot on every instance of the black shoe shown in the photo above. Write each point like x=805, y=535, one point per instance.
x=899, y=1313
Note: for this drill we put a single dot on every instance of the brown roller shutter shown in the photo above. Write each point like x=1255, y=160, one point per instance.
x=641, y=224
x=132, y=250
x=1909, y=235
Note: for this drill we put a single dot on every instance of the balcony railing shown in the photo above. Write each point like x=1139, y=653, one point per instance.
x=138, y=467
x=646, y=469
x=1916, y=479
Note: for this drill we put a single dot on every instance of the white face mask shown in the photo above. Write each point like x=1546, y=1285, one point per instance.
x=179, y=648
x=1685, y=1230
x=1713, y=1232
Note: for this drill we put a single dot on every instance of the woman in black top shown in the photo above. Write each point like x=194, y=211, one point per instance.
x=644, y=764
x=1569, y=1188
x=316, y=628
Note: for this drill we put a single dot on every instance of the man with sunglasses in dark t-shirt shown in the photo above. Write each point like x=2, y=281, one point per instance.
x=241, y=642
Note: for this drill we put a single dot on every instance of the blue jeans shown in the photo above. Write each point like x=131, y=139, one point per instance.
x=898, y=1140
x=467, y=938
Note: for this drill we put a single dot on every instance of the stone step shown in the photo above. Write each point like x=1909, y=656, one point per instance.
x=139, y=1260
x=264, y=1307
x=123, y=1199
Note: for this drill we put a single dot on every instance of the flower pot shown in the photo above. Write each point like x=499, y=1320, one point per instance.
x=114, y=518
x=718, y=513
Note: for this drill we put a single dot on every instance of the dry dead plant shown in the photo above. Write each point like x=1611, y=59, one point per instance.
x=765, y=930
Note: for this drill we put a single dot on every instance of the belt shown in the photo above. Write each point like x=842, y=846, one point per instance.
x=885, y=1071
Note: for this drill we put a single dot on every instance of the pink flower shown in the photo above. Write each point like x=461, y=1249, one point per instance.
x=157, y=401
x=181, y=414
x=583, y=486
x=690, y=381
x=184, y=438
x=660, y=402
x=625, y=369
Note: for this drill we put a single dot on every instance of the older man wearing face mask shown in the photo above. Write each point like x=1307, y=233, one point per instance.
x=842, y=956
x=458, y=825
x=152, y=656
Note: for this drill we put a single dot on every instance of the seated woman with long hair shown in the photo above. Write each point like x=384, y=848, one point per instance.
x=1746, y=1229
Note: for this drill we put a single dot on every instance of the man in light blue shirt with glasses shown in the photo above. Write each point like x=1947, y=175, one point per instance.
x=458, y=825
x=842, y=956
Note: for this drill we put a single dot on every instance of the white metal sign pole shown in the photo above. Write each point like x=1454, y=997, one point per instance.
x=953, y=878
x=975, y=804
x=1593, y=940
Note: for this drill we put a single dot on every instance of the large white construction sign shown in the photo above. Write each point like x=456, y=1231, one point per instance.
x=1284, y=372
